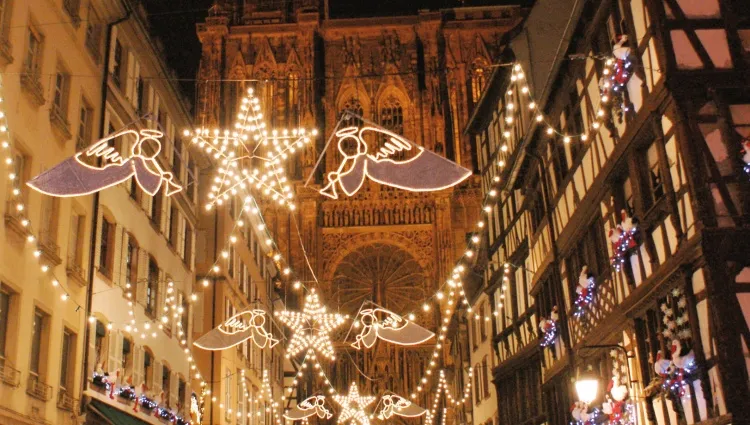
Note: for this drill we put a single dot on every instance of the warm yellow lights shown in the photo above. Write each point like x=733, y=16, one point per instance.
x=311, y=327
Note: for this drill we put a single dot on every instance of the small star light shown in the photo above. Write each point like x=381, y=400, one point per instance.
x=312, y=327
x=251, y=157
x=351, y=413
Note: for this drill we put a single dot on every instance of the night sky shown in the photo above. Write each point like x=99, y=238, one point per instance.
x=173, y=21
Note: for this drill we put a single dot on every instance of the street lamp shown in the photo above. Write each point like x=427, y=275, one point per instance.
x=587, y=386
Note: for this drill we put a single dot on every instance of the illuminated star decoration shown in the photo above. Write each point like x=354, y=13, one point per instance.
x=251, y=156
x=312, y=327
x=351, y=413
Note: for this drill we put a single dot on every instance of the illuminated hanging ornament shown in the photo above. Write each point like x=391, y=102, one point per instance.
x=425, y=171
x=308, y=407
x=585, y=290
x=623, y=239
x=746, y=154
x=311, y=327
x=251, y=157
x=548, y=326
x=397, y=405
x=74, y=177
x=236, y=330
x=353, y=406
x=392, y=328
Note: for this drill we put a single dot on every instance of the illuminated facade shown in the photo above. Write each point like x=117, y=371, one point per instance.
x=417, y=76
x=662, y=161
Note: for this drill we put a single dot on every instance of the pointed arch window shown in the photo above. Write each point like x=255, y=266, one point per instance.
x=354, y=106
x=478, y=80
x=392, y=118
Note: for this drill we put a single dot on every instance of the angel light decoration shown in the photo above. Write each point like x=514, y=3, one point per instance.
x=315, y=405
x=425, y=171
x=399, y=406
x=251, y=157
x=388, y=326
x=236, y=330
x=74, y=177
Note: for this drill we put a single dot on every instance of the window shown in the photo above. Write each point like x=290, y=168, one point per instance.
x=85, y=122
x=75, y=241
x=117, y=59
x=477, y=82
x=655, y=181
x=93, y=33
x=100, y=344
x=131, y=262
x=190, y=186
x=106, y=248
x=292, y=96
x=19, y=173
x=184, y=316
x=483, y=323
x=152, y=287
x=188, y=241
x=177, y=159
x=392, y=115
x=156, y=207
x=485, y=380
x=474, y=338
x=72, y=8
x=228, y=392
x=5, y=13
x=48, y=223
x=127, y=357
x=477, y=387
x=166, y=375
x=5, y=297
x=66, y=363
x=148, y=368
x=62, y=87
x=140, y=90
x=38, y=326
x=240, y=396
x=33, y=61
x=174, y=222
x=181, y=393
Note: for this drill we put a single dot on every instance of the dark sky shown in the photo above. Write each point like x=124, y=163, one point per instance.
x=173, y=21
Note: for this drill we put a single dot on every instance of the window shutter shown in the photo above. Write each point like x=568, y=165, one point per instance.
x=137, y=366
x=112, y=44
x=129, y=82
x=142, y=275
x=156, y=379
x=91, y=367
x=112, y=364
x=161, y=297
x=136, y=78
x=174, y=380
x=118, y=351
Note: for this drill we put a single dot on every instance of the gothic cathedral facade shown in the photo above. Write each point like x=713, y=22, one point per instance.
x=417, y=76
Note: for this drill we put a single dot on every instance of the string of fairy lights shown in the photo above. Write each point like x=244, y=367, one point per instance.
x=270, y=180
x=449, y=294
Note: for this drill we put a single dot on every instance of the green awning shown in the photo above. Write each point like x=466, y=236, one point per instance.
x=114, y=415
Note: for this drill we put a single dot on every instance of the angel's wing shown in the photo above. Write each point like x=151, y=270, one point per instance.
x=109, y=154
x=393, y=144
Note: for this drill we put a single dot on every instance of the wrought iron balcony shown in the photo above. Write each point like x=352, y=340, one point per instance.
x=38, y=389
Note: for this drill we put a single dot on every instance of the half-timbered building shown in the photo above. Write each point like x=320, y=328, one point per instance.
x=613, y=135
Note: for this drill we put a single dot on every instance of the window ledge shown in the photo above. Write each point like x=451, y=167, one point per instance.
x=50, y=251
x=76, y=273
x=10, y=376
x=38, y=389
x=32, y=85
x=14, y=223
x=60, y=124
x=65, y=401
x=6, y=56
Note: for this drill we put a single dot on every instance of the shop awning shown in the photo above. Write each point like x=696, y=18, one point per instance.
x=113, y=415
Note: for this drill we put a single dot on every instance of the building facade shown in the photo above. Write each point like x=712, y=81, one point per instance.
x=416, y=75
x=618, y=239
x=91, y=323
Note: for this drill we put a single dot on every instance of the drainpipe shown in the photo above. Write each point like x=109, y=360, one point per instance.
x=95, y=214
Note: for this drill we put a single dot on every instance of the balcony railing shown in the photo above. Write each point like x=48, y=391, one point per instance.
x=37, y=388
x=65, y=401
x=610, y=293
x=31, y=82
x=50, y=249
x=9, y=375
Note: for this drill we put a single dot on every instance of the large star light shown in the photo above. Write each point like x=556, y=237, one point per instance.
x=353, y=406
x=251, y=157
x=312, y=327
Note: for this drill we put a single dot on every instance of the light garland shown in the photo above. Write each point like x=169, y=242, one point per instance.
x=623, y=238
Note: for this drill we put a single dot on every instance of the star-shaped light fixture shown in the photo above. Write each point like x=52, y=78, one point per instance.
x=312, y=327
x=353, y=406
x=251, y=157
